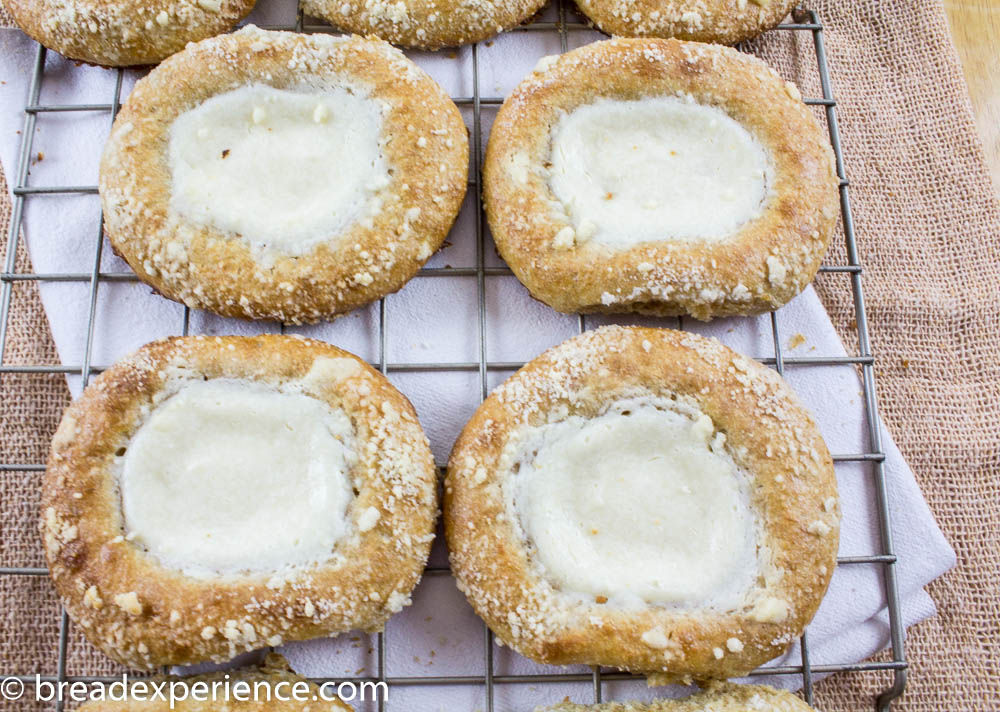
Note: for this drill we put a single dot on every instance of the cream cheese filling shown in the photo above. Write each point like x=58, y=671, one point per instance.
x=654, y=169
x=639, y=504
x=229, y=476
x=285, y=170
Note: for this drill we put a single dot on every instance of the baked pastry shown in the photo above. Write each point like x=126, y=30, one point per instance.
x=271, y=687
x=717, y=21
x=645, y=499
x=719, y=697
x=425, y=24
x=212, y=495
x=660, y=177
x=120, y=33
x=284, y=176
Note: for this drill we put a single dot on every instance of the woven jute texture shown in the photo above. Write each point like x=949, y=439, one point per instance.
x=928, y=227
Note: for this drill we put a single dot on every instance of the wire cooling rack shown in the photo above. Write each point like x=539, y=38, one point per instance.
x=566, y=21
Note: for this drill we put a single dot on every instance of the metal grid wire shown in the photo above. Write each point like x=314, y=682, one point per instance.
x=804, y=21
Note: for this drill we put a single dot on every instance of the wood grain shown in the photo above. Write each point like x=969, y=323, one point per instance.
x=975, y=28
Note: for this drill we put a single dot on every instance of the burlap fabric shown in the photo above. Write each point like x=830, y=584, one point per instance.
x=928, y=226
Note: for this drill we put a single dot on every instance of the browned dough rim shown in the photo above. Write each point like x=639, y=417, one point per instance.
x=766, y=263
x=769, y=435
x=718, y=697
x=202, y=267
x=425, y=24
x=143, y=614
x=121, y=33
x=717, y=21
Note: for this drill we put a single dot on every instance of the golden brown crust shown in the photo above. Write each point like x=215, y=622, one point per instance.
x=118, y=33
x=770, y=260
x=426, y=150
x=716, y=21
x=769, y=435
x=425, y=24
x=144, y=614
x=719, y=697
x=273, y=687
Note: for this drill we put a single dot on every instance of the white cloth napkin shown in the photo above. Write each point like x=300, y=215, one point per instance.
x=436, y=319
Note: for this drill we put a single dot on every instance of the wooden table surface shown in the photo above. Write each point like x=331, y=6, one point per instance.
x=975, y=27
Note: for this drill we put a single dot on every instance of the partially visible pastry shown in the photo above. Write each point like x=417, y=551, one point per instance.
x=208, y=496
x=276, y=175
x=425, y=24
x=716, y=21
x=645, y=499
x=120, y=33
x=270, y=687
x=719, y=697
x=660, y=177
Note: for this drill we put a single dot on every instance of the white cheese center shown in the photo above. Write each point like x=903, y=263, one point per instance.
x=230, y=476
x=628, y=172
x=640, y=504
x=286, y=170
